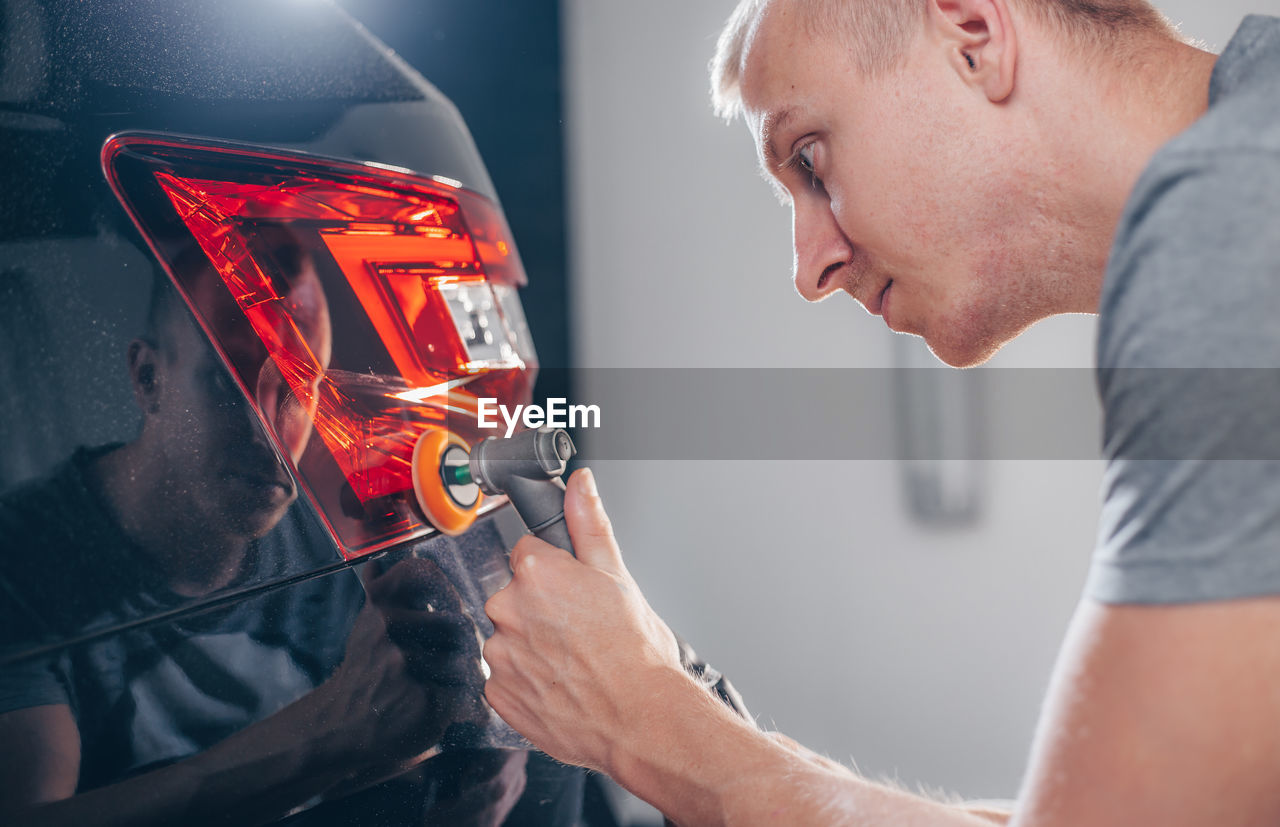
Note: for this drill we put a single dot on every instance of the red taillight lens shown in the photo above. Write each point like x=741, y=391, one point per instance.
x=363, y=303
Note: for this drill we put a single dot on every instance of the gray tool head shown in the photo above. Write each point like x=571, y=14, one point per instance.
x=527, y=468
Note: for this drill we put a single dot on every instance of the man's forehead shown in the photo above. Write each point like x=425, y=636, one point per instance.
x=775, y=78
x=768, y=52
x=305, y=302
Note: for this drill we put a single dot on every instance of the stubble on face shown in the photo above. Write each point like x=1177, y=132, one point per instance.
x=933, y=186
x=220, y=471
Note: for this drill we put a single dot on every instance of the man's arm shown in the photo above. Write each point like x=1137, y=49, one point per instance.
x=582, y=666
x=385, y=706
x=267, y=767
x=41, y=758
x=1164, y=716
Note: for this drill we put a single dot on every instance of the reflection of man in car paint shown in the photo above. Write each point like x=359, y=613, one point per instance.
x=198, y=503
x=202, y=480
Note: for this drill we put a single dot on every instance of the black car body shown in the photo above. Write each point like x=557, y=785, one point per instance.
x=221, y=599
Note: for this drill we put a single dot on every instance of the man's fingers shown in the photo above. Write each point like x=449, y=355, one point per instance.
x=529, y=550
x=589, y=525
x=529, y=560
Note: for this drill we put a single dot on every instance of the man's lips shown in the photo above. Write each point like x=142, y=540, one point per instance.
x=264, y=480
x=876, y=303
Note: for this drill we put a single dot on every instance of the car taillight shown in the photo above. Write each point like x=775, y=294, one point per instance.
x=365, y=303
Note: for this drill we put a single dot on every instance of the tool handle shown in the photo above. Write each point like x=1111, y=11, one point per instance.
x=540, y=503
x=527, y=468
x=557, y=534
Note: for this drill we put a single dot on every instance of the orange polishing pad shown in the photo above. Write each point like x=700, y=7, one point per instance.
x=450, y=508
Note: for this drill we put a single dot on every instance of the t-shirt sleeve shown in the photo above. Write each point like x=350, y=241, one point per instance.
x=32, y=683
x=1189, y=378
x=24, y=682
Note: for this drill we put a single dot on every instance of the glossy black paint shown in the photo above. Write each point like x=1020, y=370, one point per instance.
x=500, y=63
x=378, y=718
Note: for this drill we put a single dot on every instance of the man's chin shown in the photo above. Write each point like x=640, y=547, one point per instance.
x=961, y=353
x=255, y=529
x=253, y=520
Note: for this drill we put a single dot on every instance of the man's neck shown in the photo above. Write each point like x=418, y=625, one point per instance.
x=193, y=560
x=1101, y=128
x=1145, y=100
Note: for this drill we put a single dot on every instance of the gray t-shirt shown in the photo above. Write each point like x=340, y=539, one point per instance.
x=1189, y=353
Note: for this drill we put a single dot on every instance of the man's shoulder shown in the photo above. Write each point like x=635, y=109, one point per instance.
x=1232, y=150
x=1244, y=97
x=1192, y=276
x=40, y=517
x=1191, y=288
x=59, y=549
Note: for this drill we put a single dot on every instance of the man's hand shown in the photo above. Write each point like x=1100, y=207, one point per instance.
x=582, y=666
x=410, y=670
x=575, y=644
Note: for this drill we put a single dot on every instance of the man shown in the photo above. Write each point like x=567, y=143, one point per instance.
x=964, y=168
x=200, y=718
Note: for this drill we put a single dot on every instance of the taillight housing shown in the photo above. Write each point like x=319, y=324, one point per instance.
x=359, y=303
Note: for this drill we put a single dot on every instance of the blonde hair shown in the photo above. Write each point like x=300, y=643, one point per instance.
x=876, y=33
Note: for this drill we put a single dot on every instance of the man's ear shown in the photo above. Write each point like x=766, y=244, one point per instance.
x=981, y=43
x=144, y=370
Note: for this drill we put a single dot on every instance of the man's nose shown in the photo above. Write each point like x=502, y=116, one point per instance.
x=821, y=249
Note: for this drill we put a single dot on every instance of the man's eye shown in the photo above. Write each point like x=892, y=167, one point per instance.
x=805, y=158
x=804, y=161
x=223, y=386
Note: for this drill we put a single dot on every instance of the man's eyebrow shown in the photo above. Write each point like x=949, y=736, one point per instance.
x=772, y=124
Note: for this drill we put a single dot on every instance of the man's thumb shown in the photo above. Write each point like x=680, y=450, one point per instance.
x=589, y=525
